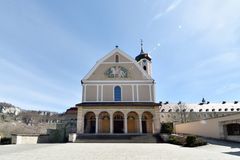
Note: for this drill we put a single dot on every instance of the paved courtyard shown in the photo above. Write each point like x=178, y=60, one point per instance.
x=89, y=151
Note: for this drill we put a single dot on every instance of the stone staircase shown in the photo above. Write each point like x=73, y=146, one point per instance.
x=117, y=138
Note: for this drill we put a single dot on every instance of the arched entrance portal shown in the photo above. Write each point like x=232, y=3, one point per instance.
x=104, y=122
x=133, y=122
x=147, y=119
x=118, y=122
x=89, y=123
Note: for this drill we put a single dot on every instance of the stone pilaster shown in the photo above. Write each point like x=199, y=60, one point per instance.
x=80, y=121
x=96, y=124
x=125, y=124
x=140, y=124
x=156, y=120
x=111, y=123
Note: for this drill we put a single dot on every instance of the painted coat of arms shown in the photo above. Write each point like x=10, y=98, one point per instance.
x=116, y=72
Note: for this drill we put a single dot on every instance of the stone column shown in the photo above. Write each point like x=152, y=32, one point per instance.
x=140, y=125
x=80, y=120
x=111, y=123
x=125, y=124
x=96, y=124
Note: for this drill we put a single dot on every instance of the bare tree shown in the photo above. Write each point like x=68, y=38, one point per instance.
x=181, y=109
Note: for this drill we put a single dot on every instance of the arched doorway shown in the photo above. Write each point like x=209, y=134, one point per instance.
x=104, y=122
x=147, y=119
x=89, y=123
x=118, y=122
x=133, y=122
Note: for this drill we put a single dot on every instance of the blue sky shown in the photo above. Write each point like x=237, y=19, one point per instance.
x=46, y=47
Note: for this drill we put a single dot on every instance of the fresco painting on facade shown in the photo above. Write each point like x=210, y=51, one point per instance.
x=117, y=72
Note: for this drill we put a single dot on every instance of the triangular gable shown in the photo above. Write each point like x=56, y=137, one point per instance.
x=107, y=59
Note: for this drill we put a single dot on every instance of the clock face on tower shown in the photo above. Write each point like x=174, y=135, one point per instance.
x=116, y=72
x=144, y=62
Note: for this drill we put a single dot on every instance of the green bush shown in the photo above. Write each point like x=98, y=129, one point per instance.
x=200, y=142
x=167, y=128
x=193, y=141
x=186, y=141
x=6, y=140
x=178, y=140
x=190, y=141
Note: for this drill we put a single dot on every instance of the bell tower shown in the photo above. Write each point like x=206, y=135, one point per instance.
x=145, y=61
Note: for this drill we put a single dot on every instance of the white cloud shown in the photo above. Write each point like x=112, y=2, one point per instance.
x=30, y=75
x=214, y=22
x=228, y=88
x=173, y=5
x=216, y=66
x=169, y=9
x=22, y=86
x=32, y=94
x=155, y=48
x=213, y=70
x=157, y=16
x=226, y=60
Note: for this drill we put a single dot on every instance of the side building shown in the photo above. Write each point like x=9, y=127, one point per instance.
x=187, y=112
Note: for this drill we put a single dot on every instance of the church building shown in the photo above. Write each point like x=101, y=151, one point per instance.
x=118, y=96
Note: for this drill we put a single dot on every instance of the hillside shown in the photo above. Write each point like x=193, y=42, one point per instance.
x=13, y=119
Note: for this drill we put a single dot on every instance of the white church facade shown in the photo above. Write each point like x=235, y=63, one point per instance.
x=118, y=96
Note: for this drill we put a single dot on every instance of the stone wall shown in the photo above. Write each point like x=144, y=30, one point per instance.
x=8, y=128
x=213, y=128
x=24, y=139
x=54, y=136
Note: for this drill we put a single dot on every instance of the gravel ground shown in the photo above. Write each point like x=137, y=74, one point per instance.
x=90, y=151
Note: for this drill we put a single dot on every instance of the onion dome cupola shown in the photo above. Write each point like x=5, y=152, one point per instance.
x=144, y=60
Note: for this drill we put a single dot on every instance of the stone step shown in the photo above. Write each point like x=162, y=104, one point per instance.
x=116, y=138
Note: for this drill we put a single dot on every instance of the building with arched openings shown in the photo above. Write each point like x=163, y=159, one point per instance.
x=118, y=96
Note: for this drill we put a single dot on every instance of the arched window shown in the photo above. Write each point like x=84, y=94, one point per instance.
x=117, y=58
x=117, y=93
x=145, y=68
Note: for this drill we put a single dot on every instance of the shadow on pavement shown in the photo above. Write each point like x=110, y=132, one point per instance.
x=233, y=153
x=223, y=143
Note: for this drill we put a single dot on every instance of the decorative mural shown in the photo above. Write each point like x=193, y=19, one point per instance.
x=116, y=72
